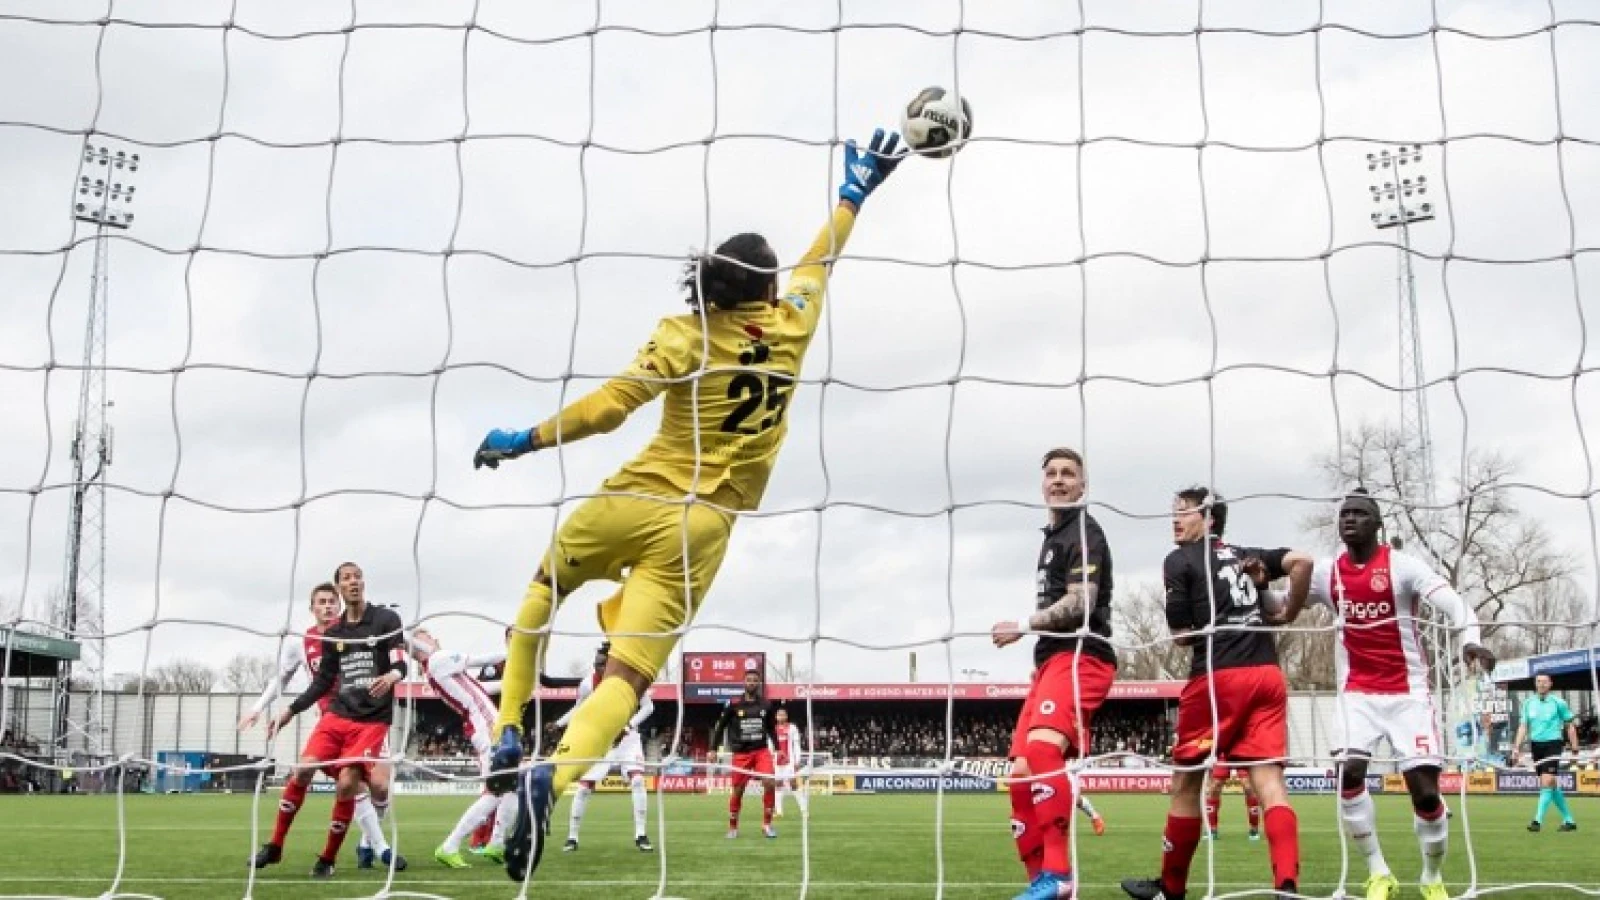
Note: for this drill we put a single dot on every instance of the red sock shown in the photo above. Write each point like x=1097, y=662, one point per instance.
x=735, y=802
x=1252, y=805
x=1283, y=844
x=1211, y=816
x=1178, y=846
x=481, y=834
x=343, y=812
x=1025, y=828
x=1053, y=805
x=769, y=796
x=294, y=793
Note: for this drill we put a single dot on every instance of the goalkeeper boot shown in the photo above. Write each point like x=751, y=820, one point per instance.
x=448, y=859
x=503, y=764
x=1382, y=887
x=365, y=857
x=644, y=845
x=267, y=855
x=1568, y=826
x=322, y=868
x=535, y=797
x=1048, y=886
x=1434, y=890
x=1148, y=889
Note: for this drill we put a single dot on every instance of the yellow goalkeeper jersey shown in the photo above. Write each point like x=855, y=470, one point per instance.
x=728, y=377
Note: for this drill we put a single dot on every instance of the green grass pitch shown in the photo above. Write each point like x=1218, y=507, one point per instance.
x=194, y=847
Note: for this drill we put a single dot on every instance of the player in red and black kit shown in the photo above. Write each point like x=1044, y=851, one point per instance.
x=1220, y=589
x=364, y=653
x=749, y=724
x=1074, y=667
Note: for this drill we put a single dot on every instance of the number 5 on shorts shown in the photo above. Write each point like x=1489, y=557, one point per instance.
x=1424, y=745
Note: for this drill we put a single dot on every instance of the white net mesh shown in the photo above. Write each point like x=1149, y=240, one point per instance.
x=364, y=233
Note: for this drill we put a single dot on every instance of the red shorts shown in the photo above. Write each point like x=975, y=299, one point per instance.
x=337, y=738
x=1252, y=720
x=1064, y=697
x=758, y=762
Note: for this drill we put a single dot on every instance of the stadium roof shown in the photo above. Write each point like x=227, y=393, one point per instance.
x=31, y=655
x=1570, y=670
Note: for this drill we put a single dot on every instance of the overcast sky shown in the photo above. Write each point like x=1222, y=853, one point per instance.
x=934, y=387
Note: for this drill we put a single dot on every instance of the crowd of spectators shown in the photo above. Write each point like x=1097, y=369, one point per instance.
x=864, y=730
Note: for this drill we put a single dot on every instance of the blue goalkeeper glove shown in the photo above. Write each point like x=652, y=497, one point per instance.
x=865, y=170
x=500, y=445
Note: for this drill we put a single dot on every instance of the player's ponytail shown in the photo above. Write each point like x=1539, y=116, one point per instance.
x=742, y=270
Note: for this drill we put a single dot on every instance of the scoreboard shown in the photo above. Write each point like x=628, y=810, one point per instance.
x=713, y=677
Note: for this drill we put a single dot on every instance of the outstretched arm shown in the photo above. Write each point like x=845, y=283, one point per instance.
x=288, y=664
x=646, y=707
x=864, y=170
x=670, y=354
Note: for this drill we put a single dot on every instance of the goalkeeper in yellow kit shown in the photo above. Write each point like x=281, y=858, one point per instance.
x=728, y=369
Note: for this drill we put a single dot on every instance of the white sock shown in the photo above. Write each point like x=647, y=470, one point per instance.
x=471, y=819
x=641, y=805
x=371, y=827
x=1434, y=838
x=783, y=791
x=504, y=817
x=800, y=797
x=1086, y=806
x=1361, y=824
x=580, y=800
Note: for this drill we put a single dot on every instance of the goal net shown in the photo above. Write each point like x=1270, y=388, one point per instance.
x=1281, y=250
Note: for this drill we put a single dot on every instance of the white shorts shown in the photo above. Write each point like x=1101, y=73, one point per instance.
x=783, y=773
x=626, y=755
x=1362, y=721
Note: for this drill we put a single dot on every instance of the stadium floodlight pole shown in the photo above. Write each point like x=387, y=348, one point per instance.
x=1400, y=194
x=103, y=195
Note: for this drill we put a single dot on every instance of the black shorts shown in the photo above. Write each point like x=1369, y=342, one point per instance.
x=1547, y=757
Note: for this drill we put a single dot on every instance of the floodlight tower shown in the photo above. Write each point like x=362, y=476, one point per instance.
x=1400, y=193
x=104, y=192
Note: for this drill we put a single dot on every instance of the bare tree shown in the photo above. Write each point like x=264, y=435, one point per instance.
x=1547, y=617
x=1305, y=651
x=1494, y=555
x=249, y=672
x=1139, y=619
x=181, y=676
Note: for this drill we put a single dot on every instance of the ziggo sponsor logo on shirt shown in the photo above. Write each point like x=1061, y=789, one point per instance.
x=1366, y=611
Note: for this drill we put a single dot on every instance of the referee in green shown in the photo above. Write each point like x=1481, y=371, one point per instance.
x=1544, y=720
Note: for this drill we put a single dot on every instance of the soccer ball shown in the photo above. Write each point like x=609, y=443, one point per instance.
x=936, y=122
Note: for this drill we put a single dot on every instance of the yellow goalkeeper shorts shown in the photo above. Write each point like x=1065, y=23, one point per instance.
x=607, y=536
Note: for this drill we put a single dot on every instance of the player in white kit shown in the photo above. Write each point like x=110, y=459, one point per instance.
x=786, y=755
x=1383, y=674
x=449, y=673
x=626, y=755
x=306, y=654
